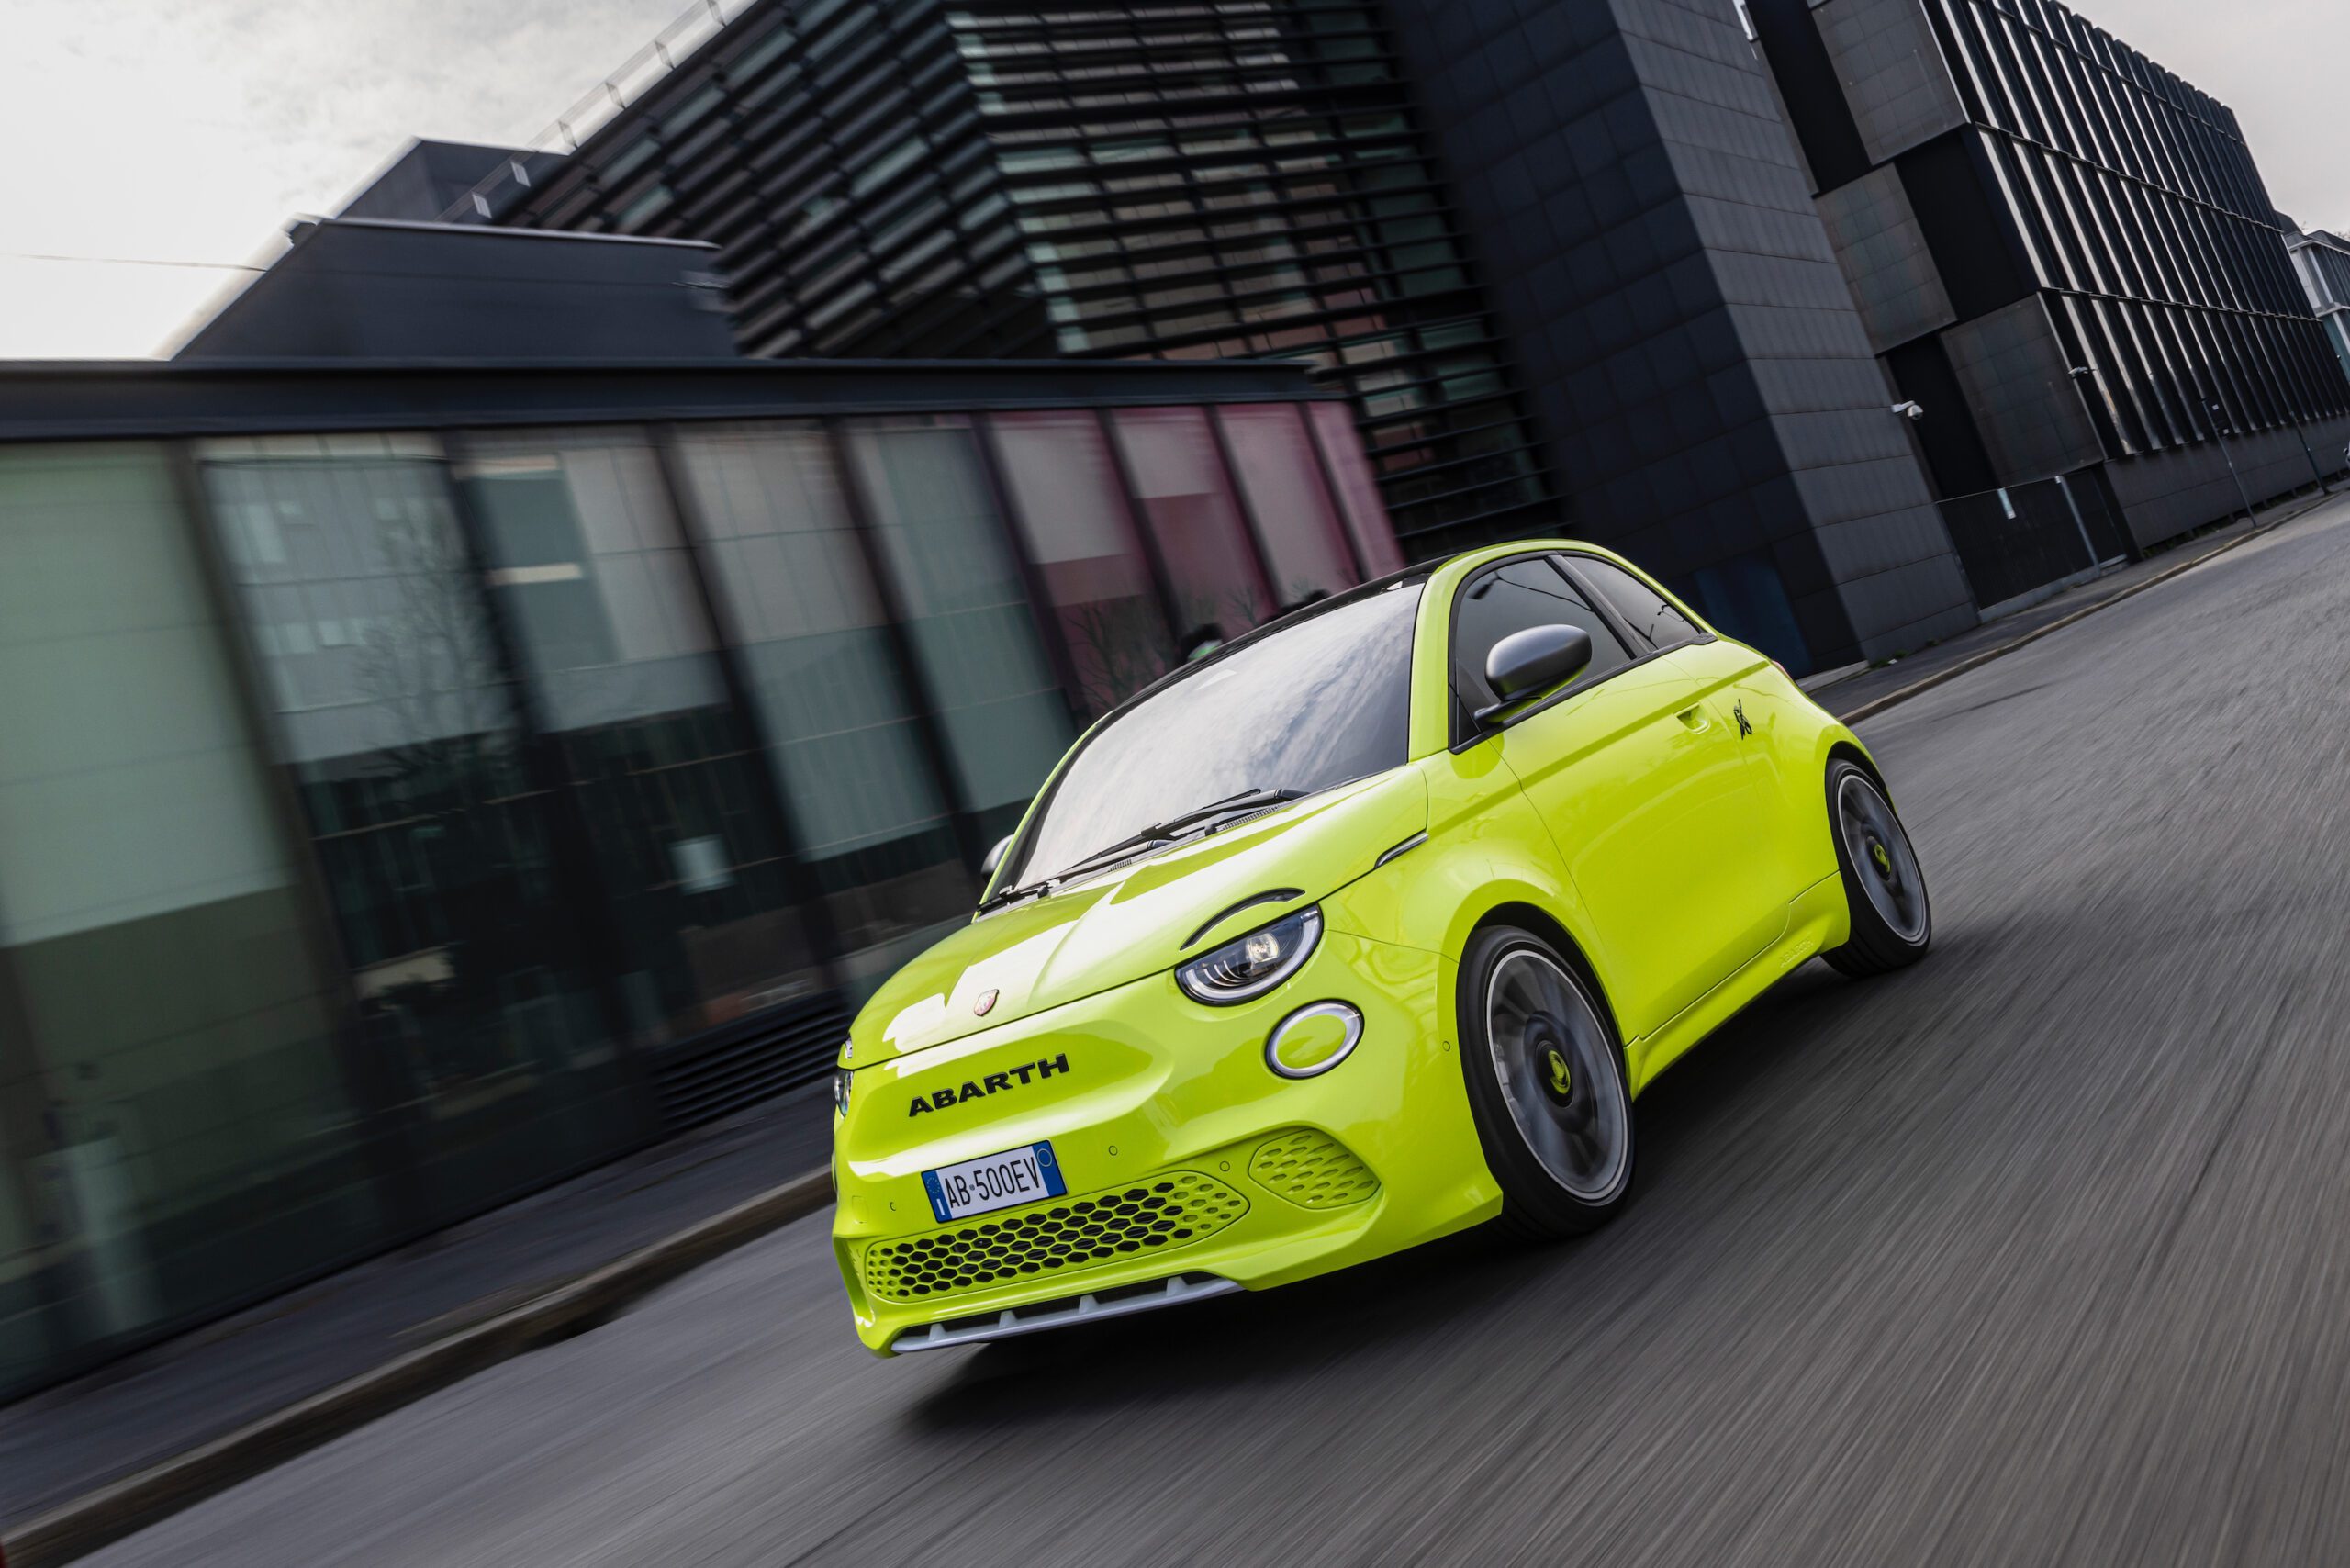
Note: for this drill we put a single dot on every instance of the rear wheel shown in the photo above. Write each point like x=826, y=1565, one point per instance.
x=1546, y=1083
x=1892, y=922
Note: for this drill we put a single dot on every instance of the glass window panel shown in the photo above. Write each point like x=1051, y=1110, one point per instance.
x=793, y=584
x=583, y=552
x=1001, y=710
x=1358, y=492
x=1189, y=507
x=1318, y=700
x=26, y=1342
x=1651, y=616
x=1513, y=598
x=1305, y=544
x=1080, y=540
x=170, y=1084
x=443, y=853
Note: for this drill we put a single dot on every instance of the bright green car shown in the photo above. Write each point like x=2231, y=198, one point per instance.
x=1365, y=928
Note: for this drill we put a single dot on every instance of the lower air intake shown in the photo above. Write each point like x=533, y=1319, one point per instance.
x=1154, y=1215
x=1311, y=1169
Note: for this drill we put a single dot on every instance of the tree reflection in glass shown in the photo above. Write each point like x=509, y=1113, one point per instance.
x=394, y=719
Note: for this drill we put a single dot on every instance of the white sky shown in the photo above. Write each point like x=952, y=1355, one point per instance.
x=192, y=130
x=189, y=130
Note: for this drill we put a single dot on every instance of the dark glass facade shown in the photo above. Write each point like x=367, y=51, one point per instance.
x=1157, y=179
x=400, y=814
x=1558, y=256
x=2063, y=251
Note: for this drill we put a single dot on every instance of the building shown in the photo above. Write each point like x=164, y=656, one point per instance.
x=367, y=288
x=2064, y=254
x=1560, y=256
x=2322, y=261
x=1690, y=349
x=1163, y=178
x=424, y=780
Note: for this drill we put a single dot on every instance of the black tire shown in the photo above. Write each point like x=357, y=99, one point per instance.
x=1546, y=1086
x=1893, y=919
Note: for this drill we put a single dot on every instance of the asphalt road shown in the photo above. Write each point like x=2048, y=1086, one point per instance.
x=2038, y=1252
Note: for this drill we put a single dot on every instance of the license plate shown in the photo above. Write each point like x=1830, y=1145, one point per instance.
x=994, y=1181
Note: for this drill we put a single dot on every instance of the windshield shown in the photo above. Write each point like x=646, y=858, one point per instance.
x=1322, y=697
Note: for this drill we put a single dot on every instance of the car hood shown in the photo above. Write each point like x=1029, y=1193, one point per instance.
x=1136, y=919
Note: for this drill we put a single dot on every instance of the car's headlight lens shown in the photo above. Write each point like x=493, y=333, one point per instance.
x=841, y=1076
x=1250, y=966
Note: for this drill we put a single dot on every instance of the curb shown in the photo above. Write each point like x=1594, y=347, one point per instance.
x=121, y=1508
x=1870, y=709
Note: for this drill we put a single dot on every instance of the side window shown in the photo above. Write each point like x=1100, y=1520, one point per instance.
x=1512, y=597
x=1649, y=613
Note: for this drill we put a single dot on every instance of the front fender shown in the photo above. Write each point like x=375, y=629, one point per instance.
x=1486, y=850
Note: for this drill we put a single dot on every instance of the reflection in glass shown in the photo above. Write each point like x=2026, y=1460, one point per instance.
x=583, y=554
x=25, y=1327
x=1079, y=537
x=1320, y=700
x=785, y=566
x=169, y=1085
x=1189, y=507
x=1305, y=547
x=1003, y=712
x=400, y=731
x=1358, y=493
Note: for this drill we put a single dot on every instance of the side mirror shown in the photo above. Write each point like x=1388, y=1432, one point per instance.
x=1532, y=661
x=994, y=858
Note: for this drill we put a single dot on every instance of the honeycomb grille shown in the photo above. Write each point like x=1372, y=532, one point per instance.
x=1152, y=1215
x=1311, y=1169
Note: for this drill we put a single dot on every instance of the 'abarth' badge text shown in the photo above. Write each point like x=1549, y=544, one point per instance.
x=993, y=1083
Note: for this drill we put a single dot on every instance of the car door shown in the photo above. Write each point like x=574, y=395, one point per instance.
x=1640, y=781
x=1788, y=810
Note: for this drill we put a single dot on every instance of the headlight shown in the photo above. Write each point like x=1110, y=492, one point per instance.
x=1252, y=965
x=841, y=1077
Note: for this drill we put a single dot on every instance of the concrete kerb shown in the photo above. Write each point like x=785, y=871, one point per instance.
x=123, y=1507
x=1870, y=709
x=131, y=1504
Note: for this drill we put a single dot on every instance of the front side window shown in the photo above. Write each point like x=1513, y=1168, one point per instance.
x=1649, y=613
x=1516, y=597
x=1318, y=700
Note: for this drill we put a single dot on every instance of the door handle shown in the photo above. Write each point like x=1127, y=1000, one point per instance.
x=1693, y=719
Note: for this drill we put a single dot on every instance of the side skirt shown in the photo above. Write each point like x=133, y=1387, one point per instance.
x=1817, y=920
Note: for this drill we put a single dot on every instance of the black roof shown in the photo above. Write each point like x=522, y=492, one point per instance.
x=79, y=401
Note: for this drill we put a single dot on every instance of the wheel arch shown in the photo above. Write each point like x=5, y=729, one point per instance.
x=1848, y=749
x=1533, y=917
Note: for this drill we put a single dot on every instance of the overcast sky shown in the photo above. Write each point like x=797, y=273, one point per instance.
x=189, y=130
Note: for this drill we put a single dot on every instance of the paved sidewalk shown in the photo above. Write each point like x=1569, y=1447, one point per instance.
x=63, y=1441
x=1849, y=696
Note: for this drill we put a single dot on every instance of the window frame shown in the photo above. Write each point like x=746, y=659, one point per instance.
x=1613, y=623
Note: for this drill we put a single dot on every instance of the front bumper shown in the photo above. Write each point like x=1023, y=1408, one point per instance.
x=1185, y=1155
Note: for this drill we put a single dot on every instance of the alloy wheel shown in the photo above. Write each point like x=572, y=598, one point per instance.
x=1560, y=1074
x=1881, y=856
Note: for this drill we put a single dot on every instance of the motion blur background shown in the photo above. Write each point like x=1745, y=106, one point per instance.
x=552, y=634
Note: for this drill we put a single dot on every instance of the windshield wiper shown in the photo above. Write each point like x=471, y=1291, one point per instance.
x=1157, y=832
x=1014, y=895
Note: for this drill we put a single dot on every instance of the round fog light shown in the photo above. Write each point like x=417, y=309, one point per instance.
x=1313, y=1039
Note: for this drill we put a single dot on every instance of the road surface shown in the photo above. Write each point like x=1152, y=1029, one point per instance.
x=2038, y=1252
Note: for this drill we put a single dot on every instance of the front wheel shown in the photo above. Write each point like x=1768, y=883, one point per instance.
x=1546, y=1084
x=1892, y=922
